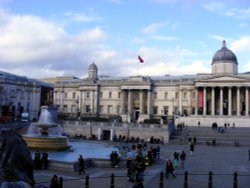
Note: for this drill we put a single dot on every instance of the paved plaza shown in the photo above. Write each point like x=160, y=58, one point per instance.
x=221, y=161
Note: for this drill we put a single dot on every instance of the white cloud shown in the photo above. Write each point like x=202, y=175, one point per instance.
x=241, y=45
x=154, y=27
x=225, y=10
x=33, y=46
x=82, y=17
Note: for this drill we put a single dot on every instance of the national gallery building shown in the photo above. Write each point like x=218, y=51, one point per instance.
x=223, y=94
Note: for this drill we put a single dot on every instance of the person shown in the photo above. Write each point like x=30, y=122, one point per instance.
x=249, y=154
x=81, y=165
x=191, y=149
x=54, y=182
x=182, y=158
x=169, y=169
x=44, y=160
x=37, y=160
x=140, y=167
x=131, y=166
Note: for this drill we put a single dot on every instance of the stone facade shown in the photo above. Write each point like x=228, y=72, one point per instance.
x=20, y=94
x=224, y=93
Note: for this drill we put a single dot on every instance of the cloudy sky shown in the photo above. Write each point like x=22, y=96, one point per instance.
x=49, y=38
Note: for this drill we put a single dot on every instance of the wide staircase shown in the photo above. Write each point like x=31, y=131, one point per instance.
x=230, y=136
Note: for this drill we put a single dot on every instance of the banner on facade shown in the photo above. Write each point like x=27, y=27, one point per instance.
x=200, y=99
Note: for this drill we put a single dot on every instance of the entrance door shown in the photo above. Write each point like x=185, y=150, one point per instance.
x=106, y=134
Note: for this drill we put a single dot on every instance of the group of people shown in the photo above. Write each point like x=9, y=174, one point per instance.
x=171, y=166
x=41, y=160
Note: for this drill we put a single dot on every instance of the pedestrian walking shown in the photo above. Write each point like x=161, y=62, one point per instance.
x=81, y=163
x=183, y=158
x=169, y=169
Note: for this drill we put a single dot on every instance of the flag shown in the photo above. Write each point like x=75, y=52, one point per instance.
x=140, y=59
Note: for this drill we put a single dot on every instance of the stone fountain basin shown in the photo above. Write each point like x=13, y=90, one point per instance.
x=40, y=142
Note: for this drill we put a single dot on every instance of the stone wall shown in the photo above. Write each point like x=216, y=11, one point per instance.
x=107, y=131
x=207, y=121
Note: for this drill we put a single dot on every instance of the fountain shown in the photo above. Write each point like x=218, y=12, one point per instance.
x=46, y=134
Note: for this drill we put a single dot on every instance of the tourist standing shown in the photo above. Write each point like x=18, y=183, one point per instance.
x=169, y=169
x=81, y=163
x=183, y=158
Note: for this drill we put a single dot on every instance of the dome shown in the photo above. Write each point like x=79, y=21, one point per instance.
x=224, y=55
x=93, y=67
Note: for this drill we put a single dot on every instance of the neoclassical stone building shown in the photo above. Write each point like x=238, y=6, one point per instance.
x=224, y=93
x=20, y=94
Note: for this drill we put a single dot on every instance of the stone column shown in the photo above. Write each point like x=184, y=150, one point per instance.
x=213, y=102
x=149, y=102
x=141, y=103
x=196, y=101
x=221, y=101
x=129, y=101
x=229, y=101
x=123, y=102
x=92, y=99
x=180, y=102
x=96, y=98
x=247, y=101
x=204, y=101
x=238, y=101
x=61, y=101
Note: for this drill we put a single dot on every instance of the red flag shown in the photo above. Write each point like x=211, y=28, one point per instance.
x=140, y=59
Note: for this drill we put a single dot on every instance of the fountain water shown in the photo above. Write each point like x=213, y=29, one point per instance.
x=46, y=134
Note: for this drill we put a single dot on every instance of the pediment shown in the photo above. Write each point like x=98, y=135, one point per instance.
x=223, y=79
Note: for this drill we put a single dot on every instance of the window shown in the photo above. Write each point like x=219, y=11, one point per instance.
x=101, y=108
x=165, y=110
x=119, y=95
x=118, y=109
x=100, y=95
x=73, y=95
x=73, y=109
x=65, y=108
x=185, y=95
x=176, y=95
x=155, y=95
x=87, y=95
x=155, y=110
x=110, y=95
x=88, y=108
x=110, y=109
x=166, y=95
x=65, y=95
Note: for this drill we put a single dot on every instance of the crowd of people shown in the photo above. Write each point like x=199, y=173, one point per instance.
x=41, y=160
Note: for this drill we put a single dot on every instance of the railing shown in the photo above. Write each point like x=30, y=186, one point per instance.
x=160, y=184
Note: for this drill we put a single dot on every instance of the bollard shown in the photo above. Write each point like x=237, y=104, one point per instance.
x=87, y=182
x=61, y=182
x=185, y=180
x=235, y=180
x=161, y=181
x=112, y=182
x=210, y=180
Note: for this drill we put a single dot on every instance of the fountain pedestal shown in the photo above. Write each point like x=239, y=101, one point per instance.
x=46, y=134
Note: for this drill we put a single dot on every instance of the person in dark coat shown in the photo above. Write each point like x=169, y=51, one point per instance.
x=191, y=149
x=169, y=169
x=54, y=182
x=45, y=160
x=37, y=160
x=81, y=163
x=182, y=158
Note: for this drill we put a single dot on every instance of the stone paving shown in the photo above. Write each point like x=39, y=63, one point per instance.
x=221, y=161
